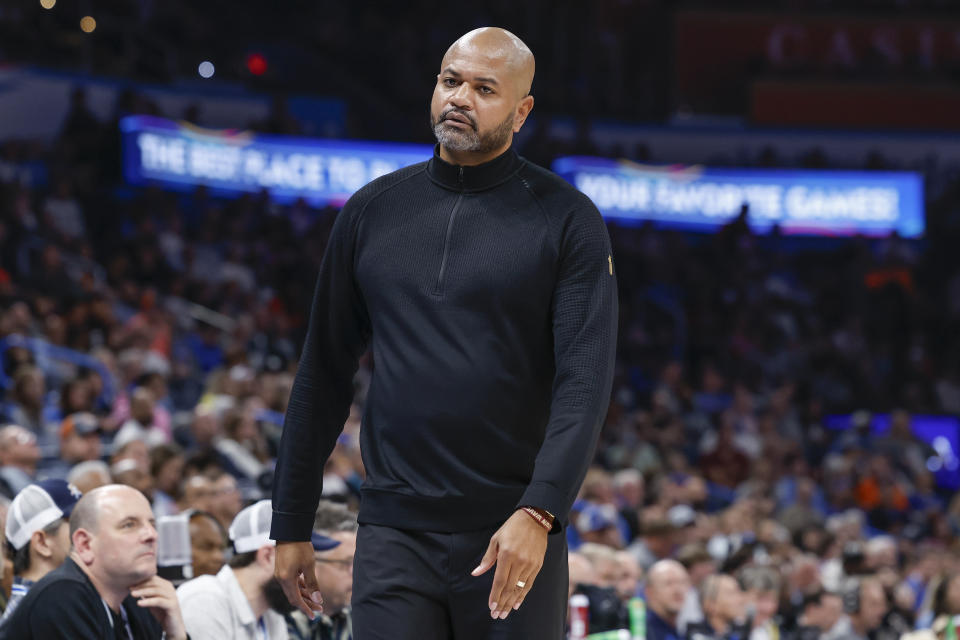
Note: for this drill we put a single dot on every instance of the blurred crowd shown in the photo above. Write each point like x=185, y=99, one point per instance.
x=150, y=339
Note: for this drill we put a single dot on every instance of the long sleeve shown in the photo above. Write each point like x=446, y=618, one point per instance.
x=584, y=313
x=322, y=391
x=67, y=612
x=206, y=614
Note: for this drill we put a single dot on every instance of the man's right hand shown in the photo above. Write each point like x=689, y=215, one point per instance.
x=295, y=569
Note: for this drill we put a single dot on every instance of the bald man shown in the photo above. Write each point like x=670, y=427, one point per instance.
x=108, y=586
x=485, y=286
x=666, y=590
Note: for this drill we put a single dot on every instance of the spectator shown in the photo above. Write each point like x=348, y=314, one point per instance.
x=166, y=468
x=865, y=605
x=131, y=447
x=723, y=609
x=26, y=405
x=656, y=542
x=607, y=611
x=19, y=456
x=598, y=524
x=108, y=584
x=629, y=575
x=133, y=473
x=604, y=561
x=762, y=589
x=581, y=572
x=333, y=516
x=226, y=504
x=62, y=213
x=208, y=544
x=629, y=486
x=699, y=565
x=666, y=589
x=79, y=442
x=197, y=493
x=334, y=569
x=38, y=535
x=802, y=513
x=909, y=453
x=89, y=475
x=820, y=611
x=140, y=425
x=243, y=445
x=243, y=600
x=724, y=464
x=946, y=597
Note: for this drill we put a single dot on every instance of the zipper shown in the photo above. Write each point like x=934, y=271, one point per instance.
x=438, y=289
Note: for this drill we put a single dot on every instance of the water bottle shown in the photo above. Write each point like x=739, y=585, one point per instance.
x=579, y=616
x=638, y=619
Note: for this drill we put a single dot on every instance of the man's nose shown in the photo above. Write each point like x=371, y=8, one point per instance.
x=149, y=533
x=461, y=97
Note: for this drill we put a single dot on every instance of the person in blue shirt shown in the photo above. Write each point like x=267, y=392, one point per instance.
x=666, y=590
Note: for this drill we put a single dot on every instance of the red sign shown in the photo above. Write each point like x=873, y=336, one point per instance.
x=718, y=54
x=858, y=105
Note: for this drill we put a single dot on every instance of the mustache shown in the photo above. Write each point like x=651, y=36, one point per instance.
x=443, y=116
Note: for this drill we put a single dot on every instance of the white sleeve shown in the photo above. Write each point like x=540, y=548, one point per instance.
x=206, y=612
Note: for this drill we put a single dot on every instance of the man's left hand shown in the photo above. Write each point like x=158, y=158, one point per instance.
x=160, y=597
x=517, y=548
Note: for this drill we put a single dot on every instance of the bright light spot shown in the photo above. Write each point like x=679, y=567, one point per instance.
x=48, y=4
x=88, y=24
x=934, y=464
x=256, y=64
x=206, y=69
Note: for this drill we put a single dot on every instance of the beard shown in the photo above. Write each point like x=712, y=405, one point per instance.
x=276, y=598
x=471, y=139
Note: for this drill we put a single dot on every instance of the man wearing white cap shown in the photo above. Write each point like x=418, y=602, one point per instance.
x=38, y=534
x=108, y=586
x=244, y=600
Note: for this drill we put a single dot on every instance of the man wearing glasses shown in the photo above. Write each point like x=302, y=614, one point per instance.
x=334, y=569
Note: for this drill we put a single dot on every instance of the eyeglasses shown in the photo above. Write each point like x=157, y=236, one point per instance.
x=346, y=564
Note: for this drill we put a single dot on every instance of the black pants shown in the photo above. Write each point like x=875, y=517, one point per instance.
x=416, y=585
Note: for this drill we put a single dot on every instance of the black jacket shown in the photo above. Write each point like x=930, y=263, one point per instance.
x=489, y=297
x=64, y=605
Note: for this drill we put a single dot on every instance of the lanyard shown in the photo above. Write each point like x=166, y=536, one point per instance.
x=123, y=618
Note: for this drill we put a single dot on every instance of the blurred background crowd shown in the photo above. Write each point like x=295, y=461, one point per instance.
x=150, y=338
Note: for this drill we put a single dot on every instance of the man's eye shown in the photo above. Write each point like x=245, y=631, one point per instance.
x=485, y=89
x=450, y=82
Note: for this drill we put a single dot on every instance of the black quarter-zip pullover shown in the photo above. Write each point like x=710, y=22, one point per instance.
x=489, y=297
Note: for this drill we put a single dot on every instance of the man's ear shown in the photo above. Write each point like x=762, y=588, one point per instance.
x=41, y=543
x=83, y=544
x=523, y=110
x=265, y=557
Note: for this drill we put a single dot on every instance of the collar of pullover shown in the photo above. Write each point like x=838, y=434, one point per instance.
x=474, y=178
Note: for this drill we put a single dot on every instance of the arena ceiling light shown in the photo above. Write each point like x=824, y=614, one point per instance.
x=87, y=24
x=206, y=69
